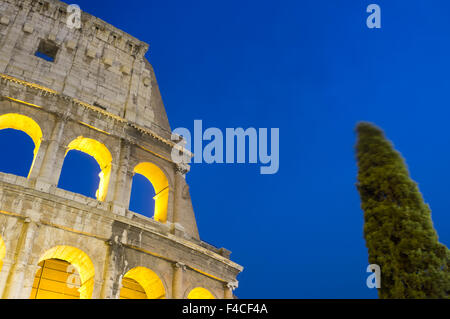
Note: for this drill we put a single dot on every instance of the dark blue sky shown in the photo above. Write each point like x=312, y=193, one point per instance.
x=313, y=69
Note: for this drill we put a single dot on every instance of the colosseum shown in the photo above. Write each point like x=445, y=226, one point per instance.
x=95, y=92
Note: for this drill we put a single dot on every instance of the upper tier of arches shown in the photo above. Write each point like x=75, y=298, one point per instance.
x=58, y=143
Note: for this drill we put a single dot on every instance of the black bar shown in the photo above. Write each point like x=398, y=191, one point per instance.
x=234, y=308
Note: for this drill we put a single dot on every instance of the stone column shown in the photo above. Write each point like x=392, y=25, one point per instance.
x=170, y=204
x=177, y=280
x=180, y=175
x=28, y=281
x=228, y=290
x=184, y=223
x=114, y=269
x=120, y=189
x=112, y=281
x=38, y=159
x=110, y=191
x=50, y=168
x=4, y=273
x=15, y=282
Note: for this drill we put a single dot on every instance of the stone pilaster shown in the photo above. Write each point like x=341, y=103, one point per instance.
x=112, y=280
x=4, y=274
x=120, y=186
x=14, y=288
x=228, y=289
x=177, y=280
x=179, y=182
x=48, y=172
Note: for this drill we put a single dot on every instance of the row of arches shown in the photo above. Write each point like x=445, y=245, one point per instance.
x=155, y=193
x=66, y=272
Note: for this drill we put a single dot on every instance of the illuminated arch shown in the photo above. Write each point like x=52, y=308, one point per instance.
x=25, y=124
x=103, y=157
x=200, y=293
x=2, y=252
x=56, y=279
x=149, y=280
x=161, y=185
x=80, y=261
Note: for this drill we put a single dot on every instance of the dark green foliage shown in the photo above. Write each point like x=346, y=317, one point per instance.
x=398, y=230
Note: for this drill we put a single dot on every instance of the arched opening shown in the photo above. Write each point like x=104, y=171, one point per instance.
x=18, y=152
x=56, y=279
x=2, y=252
x=142, y=283
x=142, y=196
x=80, y=174
x=160, y=186
x=101, y=155
x=131, y=289
x=12, y=122
x=71, y=263
x=200, y=293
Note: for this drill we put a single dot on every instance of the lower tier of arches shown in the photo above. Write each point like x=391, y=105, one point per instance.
x=40, y=261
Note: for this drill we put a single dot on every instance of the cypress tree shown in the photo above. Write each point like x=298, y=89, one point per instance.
x=398, y=229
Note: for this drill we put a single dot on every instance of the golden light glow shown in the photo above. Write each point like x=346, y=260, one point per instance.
x=2, y=252
x=206, y=274
x=150, y=282
x=80, y=261
x=103, y=157
x=131, y=289
x=94, y=128
x=161, y=185
x=56, y=279
x=22, y=102
x=200, y=293
x=25, y=124
x=29, y=84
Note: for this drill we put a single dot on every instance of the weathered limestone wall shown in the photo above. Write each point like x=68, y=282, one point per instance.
x=32, y=222
x=97, y=64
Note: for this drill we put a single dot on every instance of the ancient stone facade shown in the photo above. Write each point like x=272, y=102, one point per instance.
x=98, y=95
